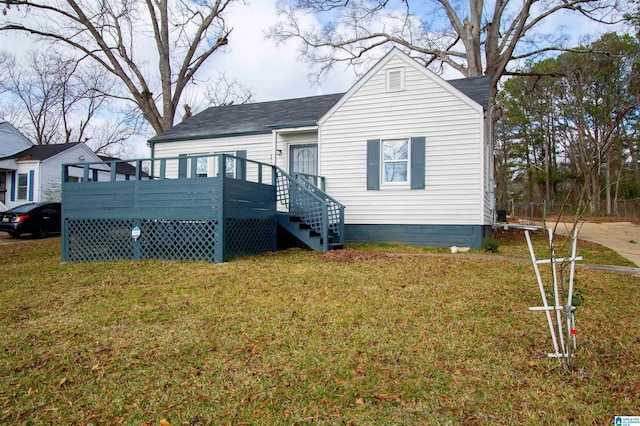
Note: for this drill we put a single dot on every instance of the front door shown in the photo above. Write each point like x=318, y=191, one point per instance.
x=303, y=159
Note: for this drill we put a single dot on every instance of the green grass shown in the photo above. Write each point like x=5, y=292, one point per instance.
x=298, y=337
x=513, y=244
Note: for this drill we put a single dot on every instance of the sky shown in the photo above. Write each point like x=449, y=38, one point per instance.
x=273, y=71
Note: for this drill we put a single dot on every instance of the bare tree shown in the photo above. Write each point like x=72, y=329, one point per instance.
x=473, y=37
x=125, y=36
x=224, y=91
x=64, y=102
x=37, y=87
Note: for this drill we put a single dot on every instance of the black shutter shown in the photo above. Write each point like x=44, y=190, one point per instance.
x=417, y=162
x=373, y=164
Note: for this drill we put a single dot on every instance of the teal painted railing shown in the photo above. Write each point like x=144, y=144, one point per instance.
x=322, y=213
x=191, y=208
x=318, y=181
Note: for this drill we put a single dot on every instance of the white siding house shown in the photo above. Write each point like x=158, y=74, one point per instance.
x=424, y=106
x=33, y=173
x=407, y=153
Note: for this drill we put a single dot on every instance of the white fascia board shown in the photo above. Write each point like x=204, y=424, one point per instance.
x=295, y=129
x=9, y=164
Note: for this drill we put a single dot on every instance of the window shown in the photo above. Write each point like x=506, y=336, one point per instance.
x=22, y=186
x=395, y=80
x=230, y=165
x=395, y=161
x=208, y=166
x=202, y=167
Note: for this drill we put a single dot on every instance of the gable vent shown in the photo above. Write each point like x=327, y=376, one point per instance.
x=395, y=80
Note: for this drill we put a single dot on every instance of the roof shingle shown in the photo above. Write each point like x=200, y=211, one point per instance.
x=42, y=152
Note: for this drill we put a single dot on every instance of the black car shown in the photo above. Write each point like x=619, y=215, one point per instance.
x=39, y=219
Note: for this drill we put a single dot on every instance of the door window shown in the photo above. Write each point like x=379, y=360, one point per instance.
x=303, y=159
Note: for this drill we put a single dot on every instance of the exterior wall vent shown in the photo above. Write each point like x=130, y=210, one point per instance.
x=395, y=80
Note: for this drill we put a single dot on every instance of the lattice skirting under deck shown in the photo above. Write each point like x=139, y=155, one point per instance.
x=246, y=237
x=91, y=240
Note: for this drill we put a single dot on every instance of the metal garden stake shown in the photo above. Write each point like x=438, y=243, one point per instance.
x=561, y=325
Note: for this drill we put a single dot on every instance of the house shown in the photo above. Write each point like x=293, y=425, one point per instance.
x=31, y=172
x=407, y=153
x=123, y=169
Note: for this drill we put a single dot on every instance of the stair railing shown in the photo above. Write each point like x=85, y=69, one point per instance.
x=321, y=212
x=318, y=181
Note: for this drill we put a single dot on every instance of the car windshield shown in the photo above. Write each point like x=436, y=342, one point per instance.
x=24, y=208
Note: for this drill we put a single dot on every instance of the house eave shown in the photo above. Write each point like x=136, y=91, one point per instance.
x=285, y=130
x=296, y=126
x=152, y=141
x=8, y=164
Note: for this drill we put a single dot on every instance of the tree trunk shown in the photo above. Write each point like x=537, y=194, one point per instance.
x=608, y=184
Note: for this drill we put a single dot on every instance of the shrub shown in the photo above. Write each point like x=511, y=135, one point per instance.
x=490, y=244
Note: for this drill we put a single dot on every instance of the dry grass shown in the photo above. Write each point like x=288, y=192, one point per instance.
x=298, y=337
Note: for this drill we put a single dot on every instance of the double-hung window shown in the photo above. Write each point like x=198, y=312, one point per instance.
x=208, y=166
x=395, y=161
x=202, y=168
x=229, y=165
x=22, y=186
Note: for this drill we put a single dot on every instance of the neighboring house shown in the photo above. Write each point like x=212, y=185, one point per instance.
x=31, y=172
x=124, y=170
x=11, y=141
x=407, y=153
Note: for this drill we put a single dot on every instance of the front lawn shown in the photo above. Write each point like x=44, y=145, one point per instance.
x=356, y=337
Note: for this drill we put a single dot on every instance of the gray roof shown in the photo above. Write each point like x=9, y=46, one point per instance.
x=247, y=119
x=261, y=118
x=477, y=88
x=122, y=167
x=42, y=152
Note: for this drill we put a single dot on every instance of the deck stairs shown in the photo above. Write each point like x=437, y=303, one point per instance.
x=308, y=213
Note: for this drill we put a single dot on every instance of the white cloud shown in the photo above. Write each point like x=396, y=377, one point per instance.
x=271, y=71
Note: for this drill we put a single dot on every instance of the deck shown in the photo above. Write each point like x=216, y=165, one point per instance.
x=210, y=208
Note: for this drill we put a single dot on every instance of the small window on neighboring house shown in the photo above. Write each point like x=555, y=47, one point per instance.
x=22, y=186
x=395, y=80
x=395, y=161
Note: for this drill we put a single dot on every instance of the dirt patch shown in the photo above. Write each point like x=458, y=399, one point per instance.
x=350, y=256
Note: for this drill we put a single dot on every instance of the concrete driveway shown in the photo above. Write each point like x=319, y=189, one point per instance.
x=622, y=237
